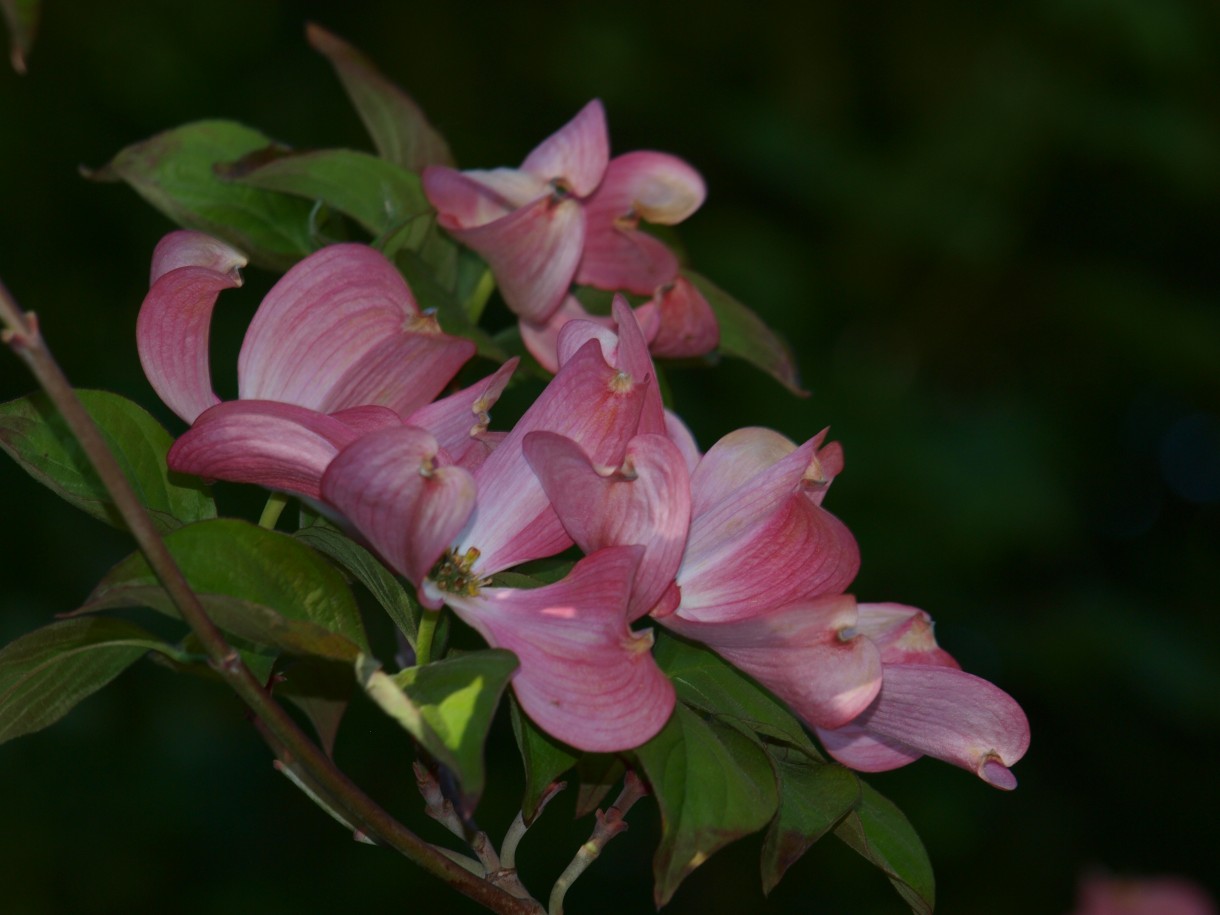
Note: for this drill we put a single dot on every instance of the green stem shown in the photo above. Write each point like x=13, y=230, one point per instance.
x=272, y=510
x=423, y=639
x=23, y=337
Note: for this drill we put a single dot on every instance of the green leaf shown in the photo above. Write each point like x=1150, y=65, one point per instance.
x=544, y=758
x=398, y=127
x=175, y=171
x=44, y=674
x=35, y=434
x=880, y=832
x=447, y=706
x=377, y=194
x=596, y=774
x=813, y=797
x=259, y=584
x=713, y=785
x=744, y=335
x=22, y=19
x=432, y=295
x=707, y=682
x=386, y=589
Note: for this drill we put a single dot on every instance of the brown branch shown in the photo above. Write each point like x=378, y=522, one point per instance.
x=22, y=335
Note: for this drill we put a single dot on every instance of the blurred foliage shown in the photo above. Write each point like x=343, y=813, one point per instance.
x=988, y=232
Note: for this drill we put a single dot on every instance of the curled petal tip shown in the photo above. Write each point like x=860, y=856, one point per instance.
x=994, y=772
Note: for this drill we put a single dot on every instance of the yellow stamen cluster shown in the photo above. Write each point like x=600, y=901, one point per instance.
x=454, y=574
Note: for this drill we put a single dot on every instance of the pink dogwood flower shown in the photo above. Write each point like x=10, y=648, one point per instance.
x=450, y=530
x=927, y=705
x=1102, y=895
x=571, y=214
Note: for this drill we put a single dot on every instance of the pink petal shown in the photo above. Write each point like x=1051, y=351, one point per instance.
x=687, y=325
x=333, y=332
x=859, y=749
x=280, y=446
x=585, y=678
x=532, y=252
x=368, y=418
x=803, y=652
x=681, y=436
x=903, y=634
x=796, y=551
x=624, y=258
x=172, y=337
x=576, y=154
x=460, y=417
x=949, y=714
x=644, y=502
x=389, y=485
x=589, y=402
x=464, y=200
x=188, y=248
x=542, y=340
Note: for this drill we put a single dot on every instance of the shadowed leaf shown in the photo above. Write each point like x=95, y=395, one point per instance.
x=881, y=833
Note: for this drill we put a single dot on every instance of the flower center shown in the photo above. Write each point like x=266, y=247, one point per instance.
x=454, y=574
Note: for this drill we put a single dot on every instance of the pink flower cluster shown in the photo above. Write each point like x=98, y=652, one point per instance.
x=338, y=377
x=570, y=215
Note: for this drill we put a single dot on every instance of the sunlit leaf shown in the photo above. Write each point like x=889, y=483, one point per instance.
x=707, y=682
x=377, y=194
x=545, y=760
x=399, y=130
x=175, y=171
x=447, y=706
x=34, y=433
x=880, y=832
x=44, y=674
x=713, y=785
x=386, y=589
x=259, y=584
x=744, y=335
x=22, y=19
x=813, y=797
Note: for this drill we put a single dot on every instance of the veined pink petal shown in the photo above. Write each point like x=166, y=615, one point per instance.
x=821, y=474
x=188, y=248
x=946, y=713
x=859, y=749
x=458, y=418
x=277, y=445
x=389, y=485
x=687, y=326
x=542, y=340
x=802, y=652
x=474, y=198
x=342, y=329
x=585, y=678
x=681, y=436
x=402, y=372
x=644, y=502
x=903, y=634
x=172, y=333
x=589, y=402
x=576, y=154
x=797, y=551
x=734, y=481
x=533, y=252
x=368, y=418
x=621, y=257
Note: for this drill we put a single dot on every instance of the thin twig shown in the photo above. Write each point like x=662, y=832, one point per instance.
x=609, y=825
x=23, y=337
x=516, y=831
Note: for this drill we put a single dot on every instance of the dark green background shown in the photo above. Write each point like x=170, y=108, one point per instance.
x=989, y=231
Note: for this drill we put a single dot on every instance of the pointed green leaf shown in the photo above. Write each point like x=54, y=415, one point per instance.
x=813, y=797
x=707, y=682
x=596, y=774
x=386, y=589
x=447, y=706
x=713, y=785
x=744, y=335
x=880, y=832
x=44, y=674
x=263, y=586
x=544, y=758
x=34, y=433
x=398, y=127
x=175, y=171
x=377, y=194
x=22, y=19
